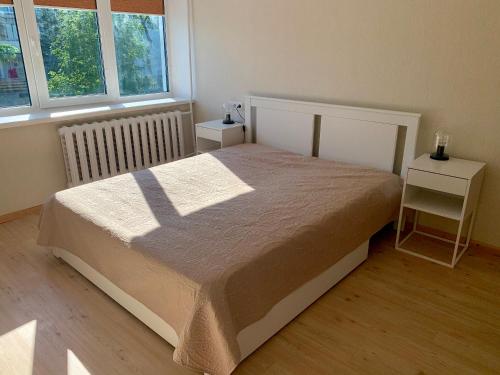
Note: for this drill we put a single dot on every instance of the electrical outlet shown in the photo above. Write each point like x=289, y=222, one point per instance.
x=237, y=111
x=236, y=104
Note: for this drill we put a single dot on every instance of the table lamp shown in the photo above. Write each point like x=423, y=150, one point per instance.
x=441, y=142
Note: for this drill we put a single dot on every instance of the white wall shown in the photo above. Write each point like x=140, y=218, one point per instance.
x=440, y=58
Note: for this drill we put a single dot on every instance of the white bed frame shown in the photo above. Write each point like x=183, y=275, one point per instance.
x=363, y=136
x=295, y=126
x=252, y=336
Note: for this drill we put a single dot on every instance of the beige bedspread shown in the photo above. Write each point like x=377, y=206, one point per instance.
x=211, y=243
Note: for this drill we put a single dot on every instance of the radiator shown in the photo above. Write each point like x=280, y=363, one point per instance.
x=109, y=148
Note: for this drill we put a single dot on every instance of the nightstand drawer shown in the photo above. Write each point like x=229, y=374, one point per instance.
x=212, y=134
x=439, y=182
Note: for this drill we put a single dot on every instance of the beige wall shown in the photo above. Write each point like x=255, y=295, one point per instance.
x=32, y=165
x=440, y=58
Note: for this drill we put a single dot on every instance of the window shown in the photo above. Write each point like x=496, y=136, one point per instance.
x=14, y=90
x=82, y=51
x=140, y=53
x=71, y=51
x=139, y=38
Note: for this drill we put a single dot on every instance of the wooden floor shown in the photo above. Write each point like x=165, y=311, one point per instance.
x=394, y=314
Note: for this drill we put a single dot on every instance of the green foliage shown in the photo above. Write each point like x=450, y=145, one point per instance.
x=8, y=53
x=71, y=50
x=72, y=56
x=132, y=41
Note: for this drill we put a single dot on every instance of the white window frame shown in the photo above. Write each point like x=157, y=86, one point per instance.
x=35, y=68
x=28, y=67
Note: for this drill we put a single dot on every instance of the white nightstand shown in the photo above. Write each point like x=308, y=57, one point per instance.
x=214, y=135
x=444, y=188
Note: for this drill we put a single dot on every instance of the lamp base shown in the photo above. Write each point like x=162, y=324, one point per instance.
x=228, y=120
x=441, y=157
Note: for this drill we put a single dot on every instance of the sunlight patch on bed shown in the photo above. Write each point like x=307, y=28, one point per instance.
x=17, y=349
x=162, y=194
x=220, y=185
x=75, y=366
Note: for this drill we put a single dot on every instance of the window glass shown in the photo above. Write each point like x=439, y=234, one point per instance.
x=13, y=84
x=140, y=53
x=71, y=51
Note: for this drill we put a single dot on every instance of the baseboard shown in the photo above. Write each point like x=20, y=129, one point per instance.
x=485, y=245
x=20, y=214
x=450, y=236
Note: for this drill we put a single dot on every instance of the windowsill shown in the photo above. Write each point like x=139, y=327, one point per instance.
x=86, y=112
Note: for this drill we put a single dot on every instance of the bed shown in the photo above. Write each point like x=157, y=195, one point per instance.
x=218, y=252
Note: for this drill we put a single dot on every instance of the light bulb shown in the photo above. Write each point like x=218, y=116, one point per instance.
x=441, y=142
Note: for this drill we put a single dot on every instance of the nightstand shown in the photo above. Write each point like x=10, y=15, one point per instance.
x=448, y=189
x=214, y=135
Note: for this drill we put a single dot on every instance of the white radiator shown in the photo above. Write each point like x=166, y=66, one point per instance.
x=109, y=148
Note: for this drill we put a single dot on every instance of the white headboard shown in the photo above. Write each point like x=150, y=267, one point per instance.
x=361, y=136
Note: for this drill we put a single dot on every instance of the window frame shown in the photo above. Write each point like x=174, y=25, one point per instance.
x=27, y=61
x=35, y=69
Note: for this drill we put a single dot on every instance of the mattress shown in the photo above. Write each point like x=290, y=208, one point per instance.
x=211, y=243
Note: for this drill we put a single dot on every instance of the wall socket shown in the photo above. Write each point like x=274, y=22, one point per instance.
x=236, y=104
x=237, y=110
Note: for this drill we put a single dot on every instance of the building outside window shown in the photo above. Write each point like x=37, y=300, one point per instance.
x=13, y=85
